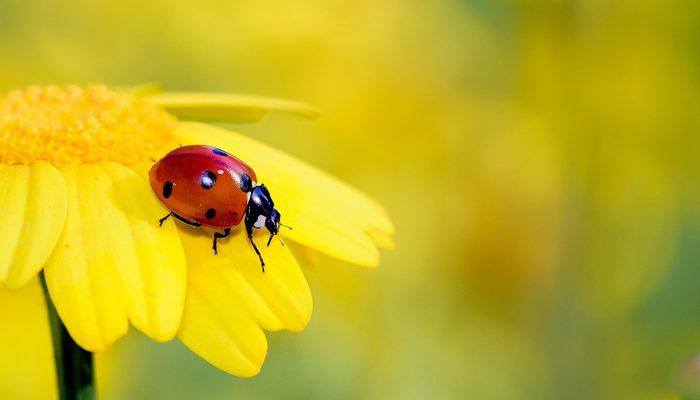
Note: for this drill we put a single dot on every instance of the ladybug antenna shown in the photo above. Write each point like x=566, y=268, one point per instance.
x=286, y=226
x=270, y=240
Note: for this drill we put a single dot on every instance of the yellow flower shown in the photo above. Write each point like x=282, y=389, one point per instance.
x=75, y=201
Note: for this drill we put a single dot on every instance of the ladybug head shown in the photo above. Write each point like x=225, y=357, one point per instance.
x=261, y=210
x=272, y=223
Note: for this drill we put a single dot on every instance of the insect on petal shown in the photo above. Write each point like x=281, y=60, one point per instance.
x=326, y=214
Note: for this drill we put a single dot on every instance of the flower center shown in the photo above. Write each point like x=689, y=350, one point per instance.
x=71, y=124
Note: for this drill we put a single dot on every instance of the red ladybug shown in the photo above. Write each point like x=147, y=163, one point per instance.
x=205, y=186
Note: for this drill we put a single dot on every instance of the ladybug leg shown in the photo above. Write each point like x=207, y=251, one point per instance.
x=249, y=229
x=262, y=263
x=183, y=220
x=160, y=221
x=190, y=223
x=218, y=235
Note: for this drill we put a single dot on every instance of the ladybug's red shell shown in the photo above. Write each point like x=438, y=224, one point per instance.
x=203, y=184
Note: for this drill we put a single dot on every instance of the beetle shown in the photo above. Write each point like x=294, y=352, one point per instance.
x=205, y=186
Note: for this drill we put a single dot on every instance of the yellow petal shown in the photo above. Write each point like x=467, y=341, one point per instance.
x=218, y=107
x=228, y=339
x=382, y=239
x=26, y=355
x=229, y=298
x=110, y=264
x=145, y=89
x=156, y=288
x=326, y=214
x=33, y=209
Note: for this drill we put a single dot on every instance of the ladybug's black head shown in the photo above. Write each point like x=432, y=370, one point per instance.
x=261, y=212
x=272, y=223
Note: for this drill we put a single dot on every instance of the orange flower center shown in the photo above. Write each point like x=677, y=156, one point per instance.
x=64, y=125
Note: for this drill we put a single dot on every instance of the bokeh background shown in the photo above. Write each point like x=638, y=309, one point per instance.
x=539, y=158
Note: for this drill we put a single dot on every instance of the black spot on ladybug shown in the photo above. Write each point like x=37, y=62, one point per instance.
x=207, y=180
x=219, y=152
x=167, y=189
x=246, y=184
x=210, y=214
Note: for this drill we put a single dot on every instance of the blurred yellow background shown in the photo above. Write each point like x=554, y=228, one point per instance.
x=539, y=158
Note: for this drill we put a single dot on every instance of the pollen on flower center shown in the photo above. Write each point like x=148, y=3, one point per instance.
x=64, y=125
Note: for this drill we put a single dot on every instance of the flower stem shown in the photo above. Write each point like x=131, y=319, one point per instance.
x=74, y=369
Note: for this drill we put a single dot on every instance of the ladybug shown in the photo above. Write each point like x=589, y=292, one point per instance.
x=206, y=186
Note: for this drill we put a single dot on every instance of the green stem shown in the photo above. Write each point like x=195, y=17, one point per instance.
x=74, y=369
